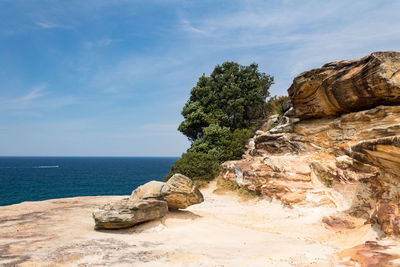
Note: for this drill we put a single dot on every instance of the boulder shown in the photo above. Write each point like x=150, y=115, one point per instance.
x=180, y=192
x=151, y=189
x=126, y=213
x=346, y=86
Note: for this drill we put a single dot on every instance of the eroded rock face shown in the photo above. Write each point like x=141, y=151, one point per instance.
x=346, y=86
x=180, y=192
x=350, y=161
x=126, y=213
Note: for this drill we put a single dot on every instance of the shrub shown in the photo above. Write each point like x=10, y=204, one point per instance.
x=221, y=143
x=274, y=105
x=196, y=165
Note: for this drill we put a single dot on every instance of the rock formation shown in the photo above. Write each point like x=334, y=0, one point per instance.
x=180, y=192
x=148, y=202
x=339, y=147
x=346, y=86
x=151, y=189
x=126, y=213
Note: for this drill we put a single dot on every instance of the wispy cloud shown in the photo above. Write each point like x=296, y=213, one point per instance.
x=46, y=25
x=187, y=26
x=23, y=101
x=32, y=95
x=35, y=100
x=287, y=38
x=99, y=43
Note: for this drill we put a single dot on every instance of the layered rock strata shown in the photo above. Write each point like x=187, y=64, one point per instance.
x=348, y=85
x=351, y=161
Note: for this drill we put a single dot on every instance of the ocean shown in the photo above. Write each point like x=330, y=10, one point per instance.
x=40, y=178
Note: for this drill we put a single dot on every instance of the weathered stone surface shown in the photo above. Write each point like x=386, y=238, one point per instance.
x=126, y=213
x=387, y=214
x=350, y=162
x=346, y=86
x=369, y=254
x=180, y=192
x=151, y=189
x=59, y=232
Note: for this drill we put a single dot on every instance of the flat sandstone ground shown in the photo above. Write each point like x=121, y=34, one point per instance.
x=221, y=231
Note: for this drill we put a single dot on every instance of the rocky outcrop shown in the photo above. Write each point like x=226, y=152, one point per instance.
x=180, y=192
x=148, y=202
x=346, y=86
x=126, y=213
x=349, y=161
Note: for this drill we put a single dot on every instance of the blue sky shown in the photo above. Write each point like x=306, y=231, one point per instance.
x=109, y=78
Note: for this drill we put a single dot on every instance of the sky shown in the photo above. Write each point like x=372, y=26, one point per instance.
x=110, y=78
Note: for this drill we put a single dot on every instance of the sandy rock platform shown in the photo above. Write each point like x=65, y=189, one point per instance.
x=221, y=231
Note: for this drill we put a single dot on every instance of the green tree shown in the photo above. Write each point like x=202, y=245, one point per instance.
x=232, y=96
x=219, y=117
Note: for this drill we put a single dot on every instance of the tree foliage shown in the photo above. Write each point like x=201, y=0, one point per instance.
x=221, y=143
x=232, y=96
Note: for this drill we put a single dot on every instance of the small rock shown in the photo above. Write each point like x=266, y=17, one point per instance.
x=151, y=189
x=126, y=213
x=180, y=192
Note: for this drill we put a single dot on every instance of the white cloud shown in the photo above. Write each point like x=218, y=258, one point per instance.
x=99, y=43
x=36, y=100
x=35, y=93
x=23, y=101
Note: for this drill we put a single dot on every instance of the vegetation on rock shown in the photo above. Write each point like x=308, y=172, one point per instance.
x=275, y=105
x=226, y=185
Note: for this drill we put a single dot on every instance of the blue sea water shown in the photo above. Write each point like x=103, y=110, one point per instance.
x=40, y=178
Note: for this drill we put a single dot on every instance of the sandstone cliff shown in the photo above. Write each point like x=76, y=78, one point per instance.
x=339, y=145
